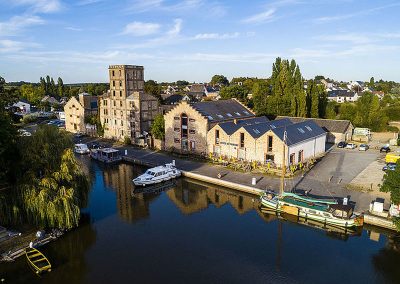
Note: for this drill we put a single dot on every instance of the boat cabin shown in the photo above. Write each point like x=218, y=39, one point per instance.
x=341, y=211
x=107, y=155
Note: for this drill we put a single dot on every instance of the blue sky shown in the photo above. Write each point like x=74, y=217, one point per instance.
x=195, y=39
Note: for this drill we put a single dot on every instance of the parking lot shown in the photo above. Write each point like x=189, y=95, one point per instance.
x=348, y=172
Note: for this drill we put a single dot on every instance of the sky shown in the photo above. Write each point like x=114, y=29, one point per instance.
x=195, y=39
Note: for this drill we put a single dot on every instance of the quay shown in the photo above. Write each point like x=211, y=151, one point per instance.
x=240, y=181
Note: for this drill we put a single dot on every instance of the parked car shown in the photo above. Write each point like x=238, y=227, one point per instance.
x=341, y=144
x=81, y=149
x=94, y=145
x=79, y=135
x=363, y=147
x=351, y=146
x=389, y=166
x=385, y=149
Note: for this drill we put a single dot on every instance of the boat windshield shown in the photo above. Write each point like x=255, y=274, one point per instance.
x=150, y=173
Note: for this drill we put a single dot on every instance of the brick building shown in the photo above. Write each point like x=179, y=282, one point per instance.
x=76, y=110
x=126, y=111
x=187, y=125
x=261, y=140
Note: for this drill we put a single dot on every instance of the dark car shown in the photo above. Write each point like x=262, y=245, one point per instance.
x=385, y=149
x=389, y=166
x=94, y=145
x=341, y=144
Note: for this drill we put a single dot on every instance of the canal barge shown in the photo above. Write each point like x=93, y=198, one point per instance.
x=106, y=155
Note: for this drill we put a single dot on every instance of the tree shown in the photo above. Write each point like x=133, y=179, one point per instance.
x=151, y=87
x=234, y=91
x=60, y=87
x=391, y=184
x=261, y=91
x=158, y=127
x=182, y=83
x=372, y=82
x=219, y=80
x=8, y=137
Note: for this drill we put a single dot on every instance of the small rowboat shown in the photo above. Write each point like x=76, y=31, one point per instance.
x=37, y=260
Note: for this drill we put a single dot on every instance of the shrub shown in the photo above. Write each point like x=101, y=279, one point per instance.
x=127, y=141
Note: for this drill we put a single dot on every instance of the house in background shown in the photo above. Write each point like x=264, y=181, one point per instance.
x=336, y=130
x=77, y=109
x=341, y=96
x=187, y=125
x=261, y=140
x=22, y=107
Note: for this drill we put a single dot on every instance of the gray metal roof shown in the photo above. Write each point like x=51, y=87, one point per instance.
x=299, y=132
x=230, y=127
x=257, y=130
x=329, y=125
x=222, y=110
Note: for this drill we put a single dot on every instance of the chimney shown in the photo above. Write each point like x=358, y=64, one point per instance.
x=235, y=121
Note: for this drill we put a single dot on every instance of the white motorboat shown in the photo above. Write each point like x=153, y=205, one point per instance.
x=157, y=175
x=81, y=149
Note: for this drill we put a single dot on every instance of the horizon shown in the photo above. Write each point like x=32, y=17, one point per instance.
x=193, y=40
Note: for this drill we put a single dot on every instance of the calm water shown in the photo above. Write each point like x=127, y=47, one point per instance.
x=194, y=233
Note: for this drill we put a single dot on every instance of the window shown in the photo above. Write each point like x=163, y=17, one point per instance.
x=114, y=103
x=184, y=125
x=242, y=140
x=120, y=93
x=308, y=128
x=300, y=156
x=229, y=115
x=192, y=145
x=269, y=158
x=192, y=120
x=114, y=93
x=120, y=103
x=210, y=117
x=270, y=141
x=177, y=118
x=177, y=140
x=119, y=73
x=192, y=131
x=113, y=73
x=120, y=83
x=301, y=130
x=246, y=112
x=115, y=112
x=220, y=116
x=122, y=123
x=238, y=114
x=217, y=136
x=291, y=159
x=113, y=83
x=176, y=129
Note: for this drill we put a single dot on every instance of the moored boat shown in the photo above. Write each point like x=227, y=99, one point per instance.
x=324, y=211
x=106, y=155
x=157, y=175
x=37, y=260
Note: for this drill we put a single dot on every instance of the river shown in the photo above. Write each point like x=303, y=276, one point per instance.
x=197, y=233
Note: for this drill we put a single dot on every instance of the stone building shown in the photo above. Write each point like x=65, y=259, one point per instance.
x=76, y=110
x=125, y=110
x=261, y=140
x=336, y=130
x=187, y=125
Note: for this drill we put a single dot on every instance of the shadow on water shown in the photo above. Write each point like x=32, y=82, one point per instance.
x=189, y=231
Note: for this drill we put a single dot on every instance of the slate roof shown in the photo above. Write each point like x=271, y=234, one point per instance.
x=329, y=125
x=173, y=99
x=257, y=130
x=222, y=110
x=340, y=93
x=299, y=132
x=230, y=127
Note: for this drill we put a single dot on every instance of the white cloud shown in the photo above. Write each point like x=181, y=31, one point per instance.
x=176, y=29
x=348, y=37
x=217, y=36
x=328, y=19
x=141, y=29
x=263, y=17
x=18, y=23
x=7, y=45
x=140, y=6
x=73, y=29
x=88, y=2
x=40, y=6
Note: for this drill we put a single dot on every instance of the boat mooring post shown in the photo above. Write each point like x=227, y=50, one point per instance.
x=126, y=152
x=253, y=181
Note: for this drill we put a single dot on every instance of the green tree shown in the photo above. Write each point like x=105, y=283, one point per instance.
x=220, y=80
x=372, y=82
x=158, y=127
x=391, y=184
x=331, y=110
x=151, y=87
x=60, y=87
x=261, y=90
x=234, y=91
